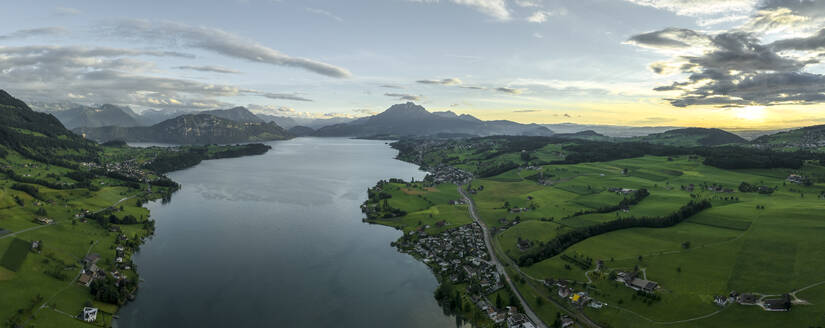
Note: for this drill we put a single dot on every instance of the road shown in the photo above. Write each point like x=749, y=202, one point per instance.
x=25, y=230
x=494, y=259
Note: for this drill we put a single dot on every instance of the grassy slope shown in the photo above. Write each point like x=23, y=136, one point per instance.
x=734, y=245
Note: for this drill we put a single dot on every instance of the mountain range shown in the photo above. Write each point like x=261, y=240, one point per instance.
x=410, y=119
x=238, y=124
x=190, y=129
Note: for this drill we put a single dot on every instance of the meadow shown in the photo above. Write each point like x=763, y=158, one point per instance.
x=749, y=242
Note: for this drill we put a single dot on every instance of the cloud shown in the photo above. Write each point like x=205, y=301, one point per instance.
x=528, y=3
x=538, y=35
x=40, y=31
x=403, y=96
x=669, y=38
x=526, y=111
x=213, y=69
x=511, y=91
x=540, y=16
x=324, y=13
x=284, y=96
x=66, y=11
x=472, y=87
x=774, y=16
x=105, y=75
x=218, y=41
x=391, y=86
x=699, y=7
x=813, y=42
x=364, y=111
x=654, y=120
x=496, y=9
x=737, y=69
x=447, y=81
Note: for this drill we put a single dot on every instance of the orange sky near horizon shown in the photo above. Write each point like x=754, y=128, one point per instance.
x=652, y=113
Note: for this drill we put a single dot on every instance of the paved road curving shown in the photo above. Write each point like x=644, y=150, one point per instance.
x=487, y=241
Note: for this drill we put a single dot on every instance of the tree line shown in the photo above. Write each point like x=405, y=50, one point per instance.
x=561, y=242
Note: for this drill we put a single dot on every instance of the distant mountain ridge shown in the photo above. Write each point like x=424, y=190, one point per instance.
x=290, y=121
x=191, y=129
x=409, y=119
x=237, y=114
x=97, y=116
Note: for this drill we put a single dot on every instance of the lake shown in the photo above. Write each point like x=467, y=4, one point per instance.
x=277, y=240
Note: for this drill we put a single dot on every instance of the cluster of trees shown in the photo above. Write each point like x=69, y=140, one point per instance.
x=448, y=297
x=173, y=161
x=242, y=150
x=561, y=242
x=747, y=187
x=496, y=169
x=29, y=189
x=582, y=151
x=109, y=291
x=725, y=157
x=634, y=198
x=584, y=263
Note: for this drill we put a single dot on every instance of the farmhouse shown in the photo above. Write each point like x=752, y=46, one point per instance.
x=779, y=304
x=747, y=299
x=43, y=220
x=519, y=320
x=85, y=279
x=796, y=178
x=564, y=292
x=523, y=244
x=643, y=285
x=91, y=259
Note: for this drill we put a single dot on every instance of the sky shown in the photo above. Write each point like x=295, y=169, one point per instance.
x=709, y=63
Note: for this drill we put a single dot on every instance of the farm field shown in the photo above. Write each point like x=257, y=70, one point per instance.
x=748, y=241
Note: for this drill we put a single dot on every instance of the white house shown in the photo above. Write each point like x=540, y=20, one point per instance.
x=89, y=314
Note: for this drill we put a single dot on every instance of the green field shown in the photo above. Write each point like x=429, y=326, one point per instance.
x=769, y=244
x=16, y=253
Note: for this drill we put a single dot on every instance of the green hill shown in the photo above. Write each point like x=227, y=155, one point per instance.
x=811, y=137
x=38, y=136
x=690, y=137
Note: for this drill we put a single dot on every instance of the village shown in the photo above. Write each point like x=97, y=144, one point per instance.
x=460, y=255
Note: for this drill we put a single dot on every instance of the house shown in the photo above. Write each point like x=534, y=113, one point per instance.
x=646, y=286
x=519, y=320
x=575, y=298
x=89, y=314
x=36, y=246
x=720, y=300
x=566, y=321
x=523, y=244
x=43, y=220
x=796, y=178
x=596, y=304
x=564, y=292
x=85, y=279
x=778, y=304
x=747, y=299
x=91, y=259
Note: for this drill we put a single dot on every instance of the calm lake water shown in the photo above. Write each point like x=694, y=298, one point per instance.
x=277, y=241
